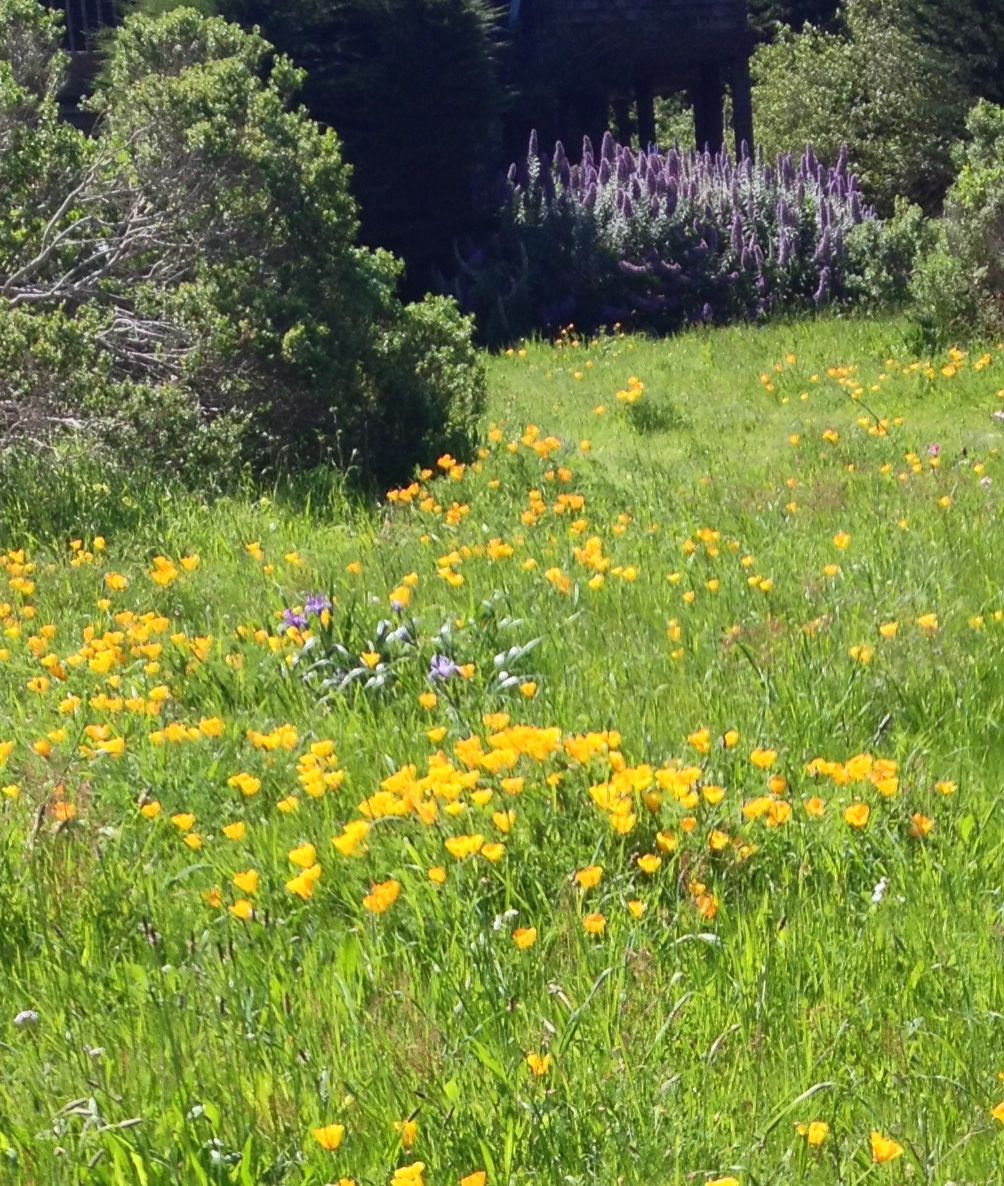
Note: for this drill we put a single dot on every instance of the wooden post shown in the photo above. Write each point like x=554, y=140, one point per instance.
x=646, y=114
x=593, y=116
x=742, y=104
x=709, y=127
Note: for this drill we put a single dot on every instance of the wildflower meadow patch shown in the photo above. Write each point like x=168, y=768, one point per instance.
x=621, y=805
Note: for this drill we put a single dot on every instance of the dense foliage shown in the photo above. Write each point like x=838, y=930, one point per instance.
x=876, y=87
x=767, y=17
x=960, y=286
x=967, y=37
x=663, y=240
x=185, y=285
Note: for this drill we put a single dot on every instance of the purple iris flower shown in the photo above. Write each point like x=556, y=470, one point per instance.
x=443, y=668
x=292, y=620
x=316, y=604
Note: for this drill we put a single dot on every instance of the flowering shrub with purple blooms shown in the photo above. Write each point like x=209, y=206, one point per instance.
x=662, y=240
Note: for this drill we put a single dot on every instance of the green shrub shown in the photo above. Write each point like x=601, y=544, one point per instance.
x=959, y=288
x=186, y=285
x=874, y=86
x=883, y=256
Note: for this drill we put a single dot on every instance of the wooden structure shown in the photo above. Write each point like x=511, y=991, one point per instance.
x=591, y=55
x=576, y=59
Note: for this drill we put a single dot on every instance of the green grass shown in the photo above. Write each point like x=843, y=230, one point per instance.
x=823, y=973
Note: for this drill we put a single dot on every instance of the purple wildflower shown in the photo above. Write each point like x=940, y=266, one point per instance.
x=291, y=619
x=316, y=604
x=443, y=668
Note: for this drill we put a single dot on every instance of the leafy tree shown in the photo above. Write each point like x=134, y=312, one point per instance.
x=960, y=287
x=190, y=276
x=968, y=38
x=873, y=86
x=768, y=17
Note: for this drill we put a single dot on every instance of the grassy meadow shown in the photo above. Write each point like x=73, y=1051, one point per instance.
x=620, y=808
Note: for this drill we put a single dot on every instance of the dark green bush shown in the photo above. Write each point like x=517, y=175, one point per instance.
x=186, y=286
x=959, y=288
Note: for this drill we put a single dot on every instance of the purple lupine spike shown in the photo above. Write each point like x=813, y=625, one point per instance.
x=547, y=178
x=824, y=249
x=605, y=172
x=737, y=232
x=589, y=201
x=608, y=147
x=512, y=176
x=587, y=148
x=635, y=189
x=856, y=215
x=533, y=150
x=784, y=249
x=559, y=152
x=822, y=293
